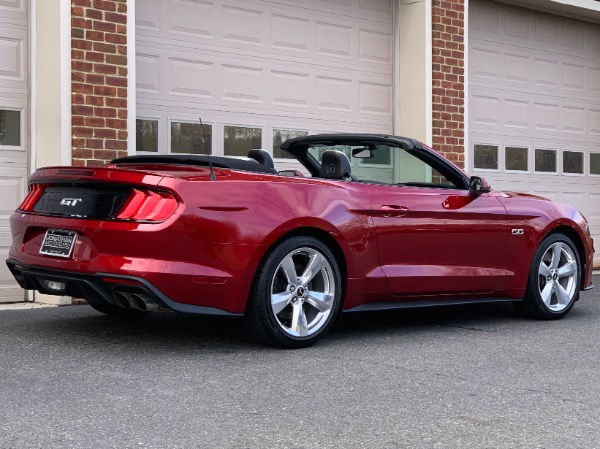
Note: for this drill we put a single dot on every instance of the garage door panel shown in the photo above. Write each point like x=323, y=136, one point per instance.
x=534, y=84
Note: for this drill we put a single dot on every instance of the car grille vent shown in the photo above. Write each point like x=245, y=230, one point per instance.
x=81, y=201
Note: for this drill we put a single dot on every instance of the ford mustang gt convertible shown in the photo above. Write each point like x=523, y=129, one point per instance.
x=371, y=222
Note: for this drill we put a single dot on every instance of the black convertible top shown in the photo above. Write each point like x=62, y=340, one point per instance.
x=197, y=159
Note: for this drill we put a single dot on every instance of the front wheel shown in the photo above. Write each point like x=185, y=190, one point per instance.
x=296, y=294
x=554, y=279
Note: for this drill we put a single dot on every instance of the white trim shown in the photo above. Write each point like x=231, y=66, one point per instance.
x=32, y=85
x=66, y=153
x=428, y=73
x=396, y=69
x=466, y=139
x=131, y=81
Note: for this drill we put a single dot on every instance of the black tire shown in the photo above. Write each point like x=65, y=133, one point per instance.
x=116, y=311
x=290, y=326
x=558, y=304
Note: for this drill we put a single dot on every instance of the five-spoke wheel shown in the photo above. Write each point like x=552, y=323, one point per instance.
x=554, y=279
x=296, y=294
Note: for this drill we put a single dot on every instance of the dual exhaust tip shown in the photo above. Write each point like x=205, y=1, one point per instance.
x=135, y=301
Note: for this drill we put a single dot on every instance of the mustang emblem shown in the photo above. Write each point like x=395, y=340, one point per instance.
x=70, y=201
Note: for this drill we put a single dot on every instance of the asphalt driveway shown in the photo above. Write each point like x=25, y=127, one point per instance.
x=469, y=377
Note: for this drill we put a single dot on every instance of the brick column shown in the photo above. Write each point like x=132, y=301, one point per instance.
x=99, y=80
x=448, y=58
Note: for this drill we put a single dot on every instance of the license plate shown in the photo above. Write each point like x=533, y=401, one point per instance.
x=58, y=242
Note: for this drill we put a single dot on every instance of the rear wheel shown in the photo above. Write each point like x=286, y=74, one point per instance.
x=296, y=294
x=554, y=279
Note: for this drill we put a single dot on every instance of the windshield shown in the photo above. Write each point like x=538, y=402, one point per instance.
x=383, y=164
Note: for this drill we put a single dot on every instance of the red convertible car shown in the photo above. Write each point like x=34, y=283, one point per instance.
x=377, y=222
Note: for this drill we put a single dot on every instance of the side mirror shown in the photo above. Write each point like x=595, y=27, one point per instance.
x=362, y=153
x=478, y=185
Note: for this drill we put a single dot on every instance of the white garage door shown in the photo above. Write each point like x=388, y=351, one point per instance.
x=13, y=136
x=534, y=104
x=259, y=72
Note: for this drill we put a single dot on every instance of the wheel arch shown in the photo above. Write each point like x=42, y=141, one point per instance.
x=308, y=231
x=577, y=240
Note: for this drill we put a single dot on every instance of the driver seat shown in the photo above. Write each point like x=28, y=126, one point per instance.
x=336, y=165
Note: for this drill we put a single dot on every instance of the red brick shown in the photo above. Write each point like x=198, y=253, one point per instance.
x=116, y=59
x=82, y=110
x=104, y=48
x=116, y=38
x=108, y=27
x=84, y=3
x=116, y=81
x=105, y=112
x=116, y=102
x=82, y=131
x=116, y=123
x=94, y=163
x=94, y=56
x=93, y=78
x=82, y=88
x=105, y=133
x=94, y=144
x=94, y=101
x=94, y=36
x=116, y=144
x=94, y=14
x=104, y=5
x=82, y=154
x=122, y=134
x=105, y=91
x=116, y=18
x=105, y=68
x=77, y=120
x=81, y=44
x=95, y=122
x=77, y=33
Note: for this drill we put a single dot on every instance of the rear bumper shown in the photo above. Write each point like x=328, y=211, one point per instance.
x=99, y=288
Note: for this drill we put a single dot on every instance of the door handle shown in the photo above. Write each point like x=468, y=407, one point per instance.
x=392, y=210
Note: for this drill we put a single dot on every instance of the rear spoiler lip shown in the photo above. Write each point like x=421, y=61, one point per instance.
x=96, y=174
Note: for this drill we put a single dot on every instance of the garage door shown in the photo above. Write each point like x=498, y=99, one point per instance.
x=13, y=136
x=534, y=104
x=259, y=72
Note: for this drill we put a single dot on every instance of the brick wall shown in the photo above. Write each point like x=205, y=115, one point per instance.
x=99, y=80
x=448, y=23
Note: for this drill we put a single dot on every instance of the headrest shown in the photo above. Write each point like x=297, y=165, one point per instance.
x=262, y=157
x=335, y=165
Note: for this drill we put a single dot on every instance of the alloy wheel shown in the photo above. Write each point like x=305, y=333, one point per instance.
x=557, y=277
x=303, y=292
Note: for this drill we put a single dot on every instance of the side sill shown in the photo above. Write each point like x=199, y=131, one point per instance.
x=421, y=303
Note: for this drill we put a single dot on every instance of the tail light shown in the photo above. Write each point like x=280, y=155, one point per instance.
x=35, y=191
x=148, y=205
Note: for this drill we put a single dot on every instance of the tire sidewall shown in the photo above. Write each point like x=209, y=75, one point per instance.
x=534, y=292
x=263, y=285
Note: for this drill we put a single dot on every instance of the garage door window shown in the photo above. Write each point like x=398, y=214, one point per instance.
x=280, y=136
x=594, y=163
x=545, y=160
x=516, y=158
x=573, y=162
x=10, y=128
x=187, y=138
x=486, y=157
x=238, y=140
x=146, y=135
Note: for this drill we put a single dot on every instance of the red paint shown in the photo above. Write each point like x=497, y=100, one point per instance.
x=397, y=243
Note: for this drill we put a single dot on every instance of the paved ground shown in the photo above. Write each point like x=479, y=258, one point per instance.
x=468, y=377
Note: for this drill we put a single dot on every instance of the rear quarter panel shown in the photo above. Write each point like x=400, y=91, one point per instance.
x=255, y=211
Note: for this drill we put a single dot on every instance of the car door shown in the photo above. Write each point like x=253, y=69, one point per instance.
x=434, y=237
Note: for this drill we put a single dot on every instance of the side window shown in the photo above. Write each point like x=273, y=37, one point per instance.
x=396, y=166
